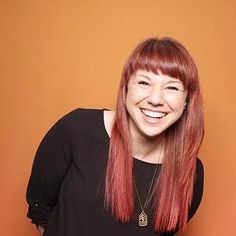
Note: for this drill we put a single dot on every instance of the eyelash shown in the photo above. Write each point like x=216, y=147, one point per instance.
x=173, y=88
x=143, y=83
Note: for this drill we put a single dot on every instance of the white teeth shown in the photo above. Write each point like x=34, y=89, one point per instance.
x=154, y=114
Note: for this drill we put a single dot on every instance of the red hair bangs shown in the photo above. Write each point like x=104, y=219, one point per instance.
x=163, y=55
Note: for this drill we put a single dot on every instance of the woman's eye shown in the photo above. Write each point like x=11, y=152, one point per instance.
x=173, y=88
x=143, y=83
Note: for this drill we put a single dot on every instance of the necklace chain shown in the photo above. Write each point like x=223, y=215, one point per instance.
x=143, y=218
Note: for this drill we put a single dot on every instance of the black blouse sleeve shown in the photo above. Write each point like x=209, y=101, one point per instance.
x=198, y=189
x=51, y=163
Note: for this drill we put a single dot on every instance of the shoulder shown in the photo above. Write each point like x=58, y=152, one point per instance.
x=82, y=112
x=82, y=116
x=86, y=122
x=77, y=118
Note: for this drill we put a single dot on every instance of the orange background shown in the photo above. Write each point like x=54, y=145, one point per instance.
x=59, y=55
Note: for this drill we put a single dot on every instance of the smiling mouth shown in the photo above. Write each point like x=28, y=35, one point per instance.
x=153, y=114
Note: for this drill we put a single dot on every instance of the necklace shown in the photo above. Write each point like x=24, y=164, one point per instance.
x=143, y=218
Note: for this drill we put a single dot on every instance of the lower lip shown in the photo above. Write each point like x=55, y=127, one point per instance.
x=151, y=120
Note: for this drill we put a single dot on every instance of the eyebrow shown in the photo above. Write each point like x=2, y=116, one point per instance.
x=175, y=81
x=145, y=76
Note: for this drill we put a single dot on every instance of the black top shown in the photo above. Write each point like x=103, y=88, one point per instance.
x=66, y=187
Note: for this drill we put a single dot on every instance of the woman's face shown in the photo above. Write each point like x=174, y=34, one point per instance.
x=153, y=102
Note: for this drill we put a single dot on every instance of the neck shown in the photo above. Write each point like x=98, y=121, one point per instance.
x=148, y=149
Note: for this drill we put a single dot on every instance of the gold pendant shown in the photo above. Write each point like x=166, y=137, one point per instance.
x=142, y=219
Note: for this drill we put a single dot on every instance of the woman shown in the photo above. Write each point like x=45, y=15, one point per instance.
x=134, y=171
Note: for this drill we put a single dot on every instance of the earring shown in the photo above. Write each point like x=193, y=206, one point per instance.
x=185, y=106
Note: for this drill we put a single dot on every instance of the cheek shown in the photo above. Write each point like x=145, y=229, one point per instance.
x=135, y=95
x=129, y=99
x=175, y=102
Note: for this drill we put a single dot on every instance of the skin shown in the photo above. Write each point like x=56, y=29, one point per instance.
x=154, y=102
x=41, y=229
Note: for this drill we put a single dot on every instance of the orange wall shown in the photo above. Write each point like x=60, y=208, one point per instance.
x=59, y=55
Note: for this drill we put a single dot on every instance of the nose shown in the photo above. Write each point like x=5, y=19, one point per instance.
x=156, y=97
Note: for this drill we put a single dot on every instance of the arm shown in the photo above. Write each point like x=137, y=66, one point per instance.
x=51, y=163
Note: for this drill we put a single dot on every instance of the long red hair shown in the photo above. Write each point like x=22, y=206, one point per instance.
x=174, y=188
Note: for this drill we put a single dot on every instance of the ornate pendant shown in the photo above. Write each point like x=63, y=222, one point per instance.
x=142, y=219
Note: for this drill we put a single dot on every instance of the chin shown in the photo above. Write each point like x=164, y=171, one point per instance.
x=151, y=134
